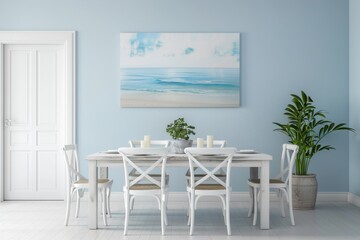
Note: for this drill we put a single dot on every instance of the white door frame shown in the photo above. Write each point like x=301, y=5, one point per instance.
x=66, y=38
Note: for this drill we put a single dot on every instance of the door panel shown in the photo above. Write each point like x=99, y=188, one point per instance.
x=47, y=166
x=18, y=74
x=47, y=88
x=19, y=167
x=19, y=138
x=34, y=79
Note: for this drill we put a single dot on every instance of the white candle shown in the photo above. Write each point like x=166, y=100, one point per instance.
x=209, y=141
x=200, y=142
x=142, y=144
x=147, y=141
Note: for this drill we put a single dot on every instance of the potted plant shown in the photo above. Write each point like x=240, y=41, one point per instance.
x=306, y=127
x=180, y=131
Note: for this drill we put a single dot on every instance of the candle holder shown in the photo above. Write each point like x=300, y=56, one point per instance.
x=200, y=142
x=209, y=141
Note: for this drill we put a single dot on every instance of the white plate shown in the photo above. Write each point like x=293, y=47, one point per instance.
x=247, y=151
x=111, y=152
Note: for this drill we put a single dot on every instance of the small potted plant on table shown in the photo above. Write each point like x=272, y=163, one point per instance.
x=306, y=127
x=180, y=132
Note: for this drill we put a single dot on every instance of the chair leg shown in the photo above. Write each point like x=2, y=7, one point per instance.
x=165, y=208
x=132, y=201
x=251, y=202
x=158, y=201
x=228, y=213
x=103, y=204
x=224, y=215
x=282, y=200
x=255, y=205
x=223, y=200
x=68, y=202
x=162, y=211
x=291, y=212
x=192, y=212
x=189, y=208
x=108, y=193
x=127, y=209
x=78, y=194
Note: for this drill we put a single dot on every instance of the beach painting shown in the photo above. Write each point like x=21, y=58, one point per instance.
x=180, y=69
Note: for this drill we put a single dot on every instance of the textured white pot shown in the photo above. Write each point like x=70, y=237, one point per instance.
x=304, y=191
x=178, y=146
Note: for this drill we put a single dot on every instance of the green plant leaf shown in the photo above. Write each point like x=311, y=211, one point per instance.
x=180, y=129
x=306, y=127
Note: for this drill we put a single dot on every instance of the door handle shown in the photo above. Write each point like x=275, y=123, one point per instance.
x=8, y=122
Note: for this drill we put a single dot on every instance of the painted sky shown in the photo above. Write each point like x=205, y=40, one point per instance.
x=181, y=50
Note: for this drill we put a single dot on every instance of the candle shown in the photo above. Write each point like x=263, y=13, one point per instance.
x=209, y=141
x=147, y=141
x=142, y=144
x=200, y=142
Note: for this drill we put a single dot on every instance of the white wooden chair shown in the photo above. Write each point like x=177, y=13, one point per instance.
x=145, y=161
x=209, y=184
x=77, y=183
x=283, y=183
x=221, y=173
x=133, y=173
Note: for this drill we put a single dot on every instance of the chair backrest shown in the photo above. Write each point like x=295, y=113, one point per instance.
x=216, y=158
x=288, y=157
x=216, y=143
x=153, y=143
x=144, y=161
x=72, y=163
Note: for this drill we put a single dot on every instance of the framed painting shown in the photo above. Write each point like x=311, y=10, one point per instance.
x=180, y=69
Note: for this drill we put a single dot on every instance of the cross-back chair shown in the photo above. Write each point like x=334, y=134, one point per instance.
x=145, y=161
x=209, y=161
x=282, y=182
x=77, y=183
x=133, y=173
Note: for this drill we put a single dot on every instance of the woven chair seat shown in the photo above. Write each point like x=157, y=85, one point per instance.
x=275, y=181
x=210, y=187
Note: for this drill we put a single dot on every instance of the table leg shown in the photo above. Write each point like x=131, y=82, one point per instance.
x=104, y=172
x=265, y=203
x=254, y=172
x=93, y=196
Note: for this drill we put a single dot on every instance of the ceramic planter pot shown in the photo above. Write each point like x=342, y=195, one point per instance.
x=178, y=146
x=304, y=191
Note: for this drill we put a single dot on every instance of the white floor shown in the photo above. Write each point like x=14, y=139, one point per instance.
x=44, y=220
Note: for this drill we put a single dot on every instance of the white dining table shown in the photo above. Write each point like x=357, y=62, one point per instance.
x=111, y=159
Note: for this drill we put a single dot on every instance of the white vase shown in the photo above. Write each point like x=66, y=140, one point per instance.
x=304, y=191
x=178, y=146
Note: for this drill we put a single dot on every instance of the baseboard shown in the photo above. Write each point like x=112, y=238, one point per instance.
x=354, y=199
x=243, y=197
x=181, y=197
x=332, y=197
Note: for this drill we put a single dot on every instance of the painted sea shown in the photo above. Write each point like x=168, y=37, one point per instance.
x=180, y=87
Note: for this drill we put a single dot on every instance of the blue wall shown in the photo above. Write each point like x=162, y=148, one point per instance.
x=286, y=46
x=354, y=49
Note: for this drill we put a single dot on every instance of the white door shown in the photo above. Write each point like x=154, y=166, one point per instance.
x=34, y=82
